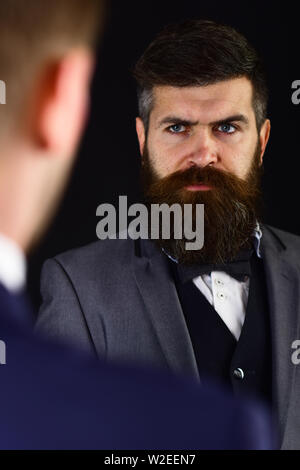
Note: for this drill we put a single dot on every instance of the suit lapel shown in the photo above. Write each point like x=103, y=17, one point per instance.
x=161, y=300
x=283, y=292
x=159, y=293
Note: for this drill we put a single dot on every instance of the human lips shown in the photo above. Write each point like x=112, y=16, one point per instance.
x=198, y=187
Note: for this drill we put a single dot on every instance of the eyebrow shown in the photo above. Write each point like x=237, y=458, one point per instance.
x=172, y=119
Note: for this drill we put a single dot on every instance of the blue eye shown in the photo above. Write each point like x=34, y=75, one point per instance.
x=177, y=128
x=227, y=128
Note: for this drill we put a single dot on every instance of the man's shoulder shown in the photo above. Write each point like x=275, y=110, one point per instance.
x=288, y=240
x=104, y=254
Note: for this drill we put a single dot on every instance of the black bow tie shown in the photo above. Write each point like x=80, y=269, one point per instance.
x=237, y=268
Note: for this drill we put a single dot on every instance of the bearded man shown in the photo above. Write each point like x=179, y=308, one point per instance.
x=230, y=311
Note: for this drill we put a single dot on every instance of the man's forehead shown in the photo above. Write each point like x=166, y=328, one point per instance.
x=204, y=102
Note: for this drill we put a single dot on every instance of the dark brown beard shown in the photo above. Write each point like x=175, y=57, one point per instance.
x=231, y=208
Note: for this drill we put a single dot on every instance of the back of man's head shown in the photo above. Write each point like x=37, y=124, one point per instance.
x=46, y=63
x=33, y=32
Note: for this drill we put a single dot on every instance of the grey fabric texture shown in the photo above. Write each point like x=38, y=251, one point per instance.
x=116, y=299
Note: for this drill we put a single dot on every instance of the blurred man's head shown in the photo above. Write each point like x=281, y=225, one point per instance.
x=203, y=130
x=46, y=61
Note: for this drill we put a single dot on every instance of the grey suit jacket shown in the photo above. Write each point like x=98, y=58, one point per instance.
x=117, y=300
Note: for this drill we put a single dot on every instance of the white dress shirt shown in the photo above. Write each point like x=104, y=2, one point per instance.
x=12, y=265
x=226, y=294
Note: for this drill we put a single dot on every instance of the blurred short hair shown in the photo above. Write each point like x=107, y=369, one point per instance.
x=32, y=32
x=199, y=53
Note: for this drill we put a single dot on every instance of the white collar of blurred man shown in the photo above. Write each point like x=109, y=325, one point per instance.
x=12, y=266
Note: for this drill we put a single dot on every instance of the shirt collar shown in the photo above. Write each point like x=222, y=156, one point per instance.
x=257, y=234
x=12, y=265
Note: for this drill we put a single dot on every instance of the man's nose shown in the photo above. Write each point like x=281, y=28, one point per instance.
x=203, y=151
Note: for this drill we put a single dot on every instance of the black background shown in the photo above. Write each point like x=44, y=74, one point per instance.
x=108, y=160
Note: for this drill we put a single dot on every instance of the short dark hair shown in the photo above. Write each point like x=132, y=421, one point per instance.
x=33, y=32
x=199, y=53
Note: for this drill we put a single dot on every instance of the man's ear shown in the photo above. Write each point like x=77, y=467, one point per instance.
x=264, y=137
x=63, y=102
x=140, y=130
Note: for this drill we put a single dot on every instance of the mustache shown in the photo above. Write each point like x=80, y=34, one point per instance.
x=196, y=175
x=221, y=181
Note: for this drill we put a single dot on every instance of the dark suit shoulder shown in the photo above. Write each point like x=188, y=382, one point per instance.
x=287, y=239
x=105, y=255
